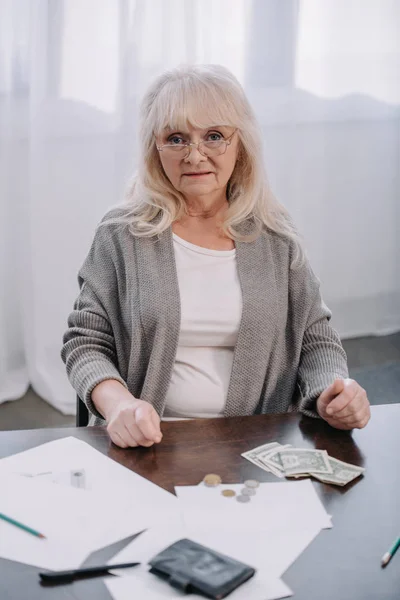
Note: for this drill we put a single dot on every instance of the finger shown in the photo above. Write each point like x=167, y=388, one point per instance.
x=338, y=404
x=362, y=423
x=156, y=422
x=118, y=434
x=355, y=420
x=135, y=435
x=117, y=439
x=149, y=429
x=364, y=417
x=365, y=421
x=348, y=394
x=336, y=387
x=358, y=403
x=141, y=440
x=333, y=390
x=351, y=425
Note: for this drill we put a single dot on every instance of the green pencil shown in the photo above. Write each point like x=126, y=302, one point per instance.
x=21, y=526
x=388, y=555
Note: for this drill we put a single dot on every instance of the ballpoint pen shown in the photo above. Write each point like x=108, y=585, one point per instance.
x=68, y=576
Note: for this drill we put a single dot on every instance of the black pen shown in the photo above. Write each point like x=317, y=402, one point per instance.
x=68, y=576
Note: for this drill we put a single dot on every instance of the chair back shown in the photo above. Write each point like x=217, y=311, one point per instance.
x=82, y=413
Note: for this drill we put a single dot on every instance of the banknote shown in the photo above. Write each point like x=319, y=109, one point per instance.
x=342, y=472
x=256, y=462
x=272, y=459
x=256, y=457
x=304, y=460
x=283, y=460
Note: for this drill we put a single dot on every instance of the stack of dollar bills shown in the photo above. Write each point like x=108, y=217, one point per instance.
x=285, y=461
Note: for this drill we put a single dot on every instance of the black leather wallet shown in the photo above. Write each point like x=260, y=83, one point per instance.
x=192, y=567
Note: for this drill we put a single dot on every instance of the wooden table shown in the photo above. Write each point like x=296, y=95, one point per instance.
x=340, y=564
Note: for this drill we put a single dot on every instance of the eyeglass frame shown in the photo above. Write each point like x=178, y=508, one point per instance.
x=188, y=145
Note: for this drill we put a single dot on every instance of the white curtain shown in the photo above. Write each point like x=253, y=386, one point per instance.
x=323, y=77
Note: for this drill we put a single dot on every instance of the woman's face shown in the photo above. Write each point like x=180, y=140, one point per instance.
x=213, y=171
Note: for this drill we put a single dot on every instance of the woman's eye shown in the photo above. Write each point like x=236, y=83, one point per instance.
x=214, y=137
x=175, y=139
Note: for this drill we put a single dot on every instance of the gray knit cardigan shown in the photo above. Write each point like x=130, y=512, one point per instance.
x=126, y=320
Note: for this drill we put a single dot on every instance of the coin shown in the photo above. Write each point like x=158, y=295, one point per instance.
x=248, y=491
x=228, y=493
x=252, y=483
x=241, y=498
x=212, y=480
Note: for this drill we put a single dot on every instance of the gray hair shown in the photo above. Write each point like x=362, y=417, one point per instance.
x=192, y=95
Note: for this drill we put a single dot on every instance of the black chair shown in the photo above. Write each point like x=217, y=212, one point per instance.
x=82, y=413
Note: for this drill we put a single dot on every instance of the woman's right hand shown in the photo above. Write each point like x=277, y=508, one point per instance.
x=130, y=422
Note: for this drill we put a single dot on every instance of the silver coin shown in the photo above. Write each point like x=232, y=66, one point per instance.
x=243, y=499
x=248, y=491
x=252, y=483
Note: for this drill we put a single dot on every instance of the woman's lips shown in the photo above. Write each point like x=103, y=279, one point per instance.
x=197, y=174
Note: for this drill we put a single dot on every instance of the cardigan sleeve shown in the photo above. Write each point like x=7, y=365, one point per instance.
x=322, y=358
x=88, y=344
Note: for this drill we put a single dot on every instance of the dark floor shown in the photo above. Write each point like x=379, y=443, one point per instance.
x=31, y=411
x=372, y=351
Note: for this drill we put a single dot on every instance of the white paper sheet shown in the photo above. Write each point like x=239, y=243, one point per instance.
x=146, y=586
x=289, y=504
x=265, y=585
x=272, y=553
x=72, y=477
x=130, y=502
x=68, y=517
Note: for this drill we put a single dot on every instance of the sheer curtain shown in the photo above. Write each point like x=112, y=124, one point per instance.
x=323, y=77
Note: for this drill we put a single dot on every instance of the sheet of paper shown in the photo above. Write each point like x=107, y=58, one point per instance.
x=131, y=502
x=68, y=517
x=272, y=554
x=147, y=586
x=73, y=477
x=274, y=504
x=264, y=585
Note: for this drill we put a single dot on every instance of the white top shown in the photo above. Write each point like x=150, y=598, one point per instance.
x=211, y=310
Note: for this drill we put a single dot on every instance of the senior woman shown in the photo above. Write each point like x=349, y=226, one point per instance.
x=196, y=298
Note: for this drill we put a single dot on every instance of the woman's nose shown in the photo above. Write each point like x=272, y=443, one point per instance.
x=195, y=156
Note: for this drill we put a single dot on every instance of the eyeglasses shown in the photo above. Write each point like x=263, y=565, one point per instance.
x=205, y=147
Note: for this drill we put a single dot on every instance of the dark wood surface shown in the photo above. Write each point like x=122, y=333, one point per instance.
x=340, y=564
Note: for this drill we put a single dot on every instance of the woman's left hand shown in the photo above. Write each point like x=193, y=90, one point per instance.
x=344, y=405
